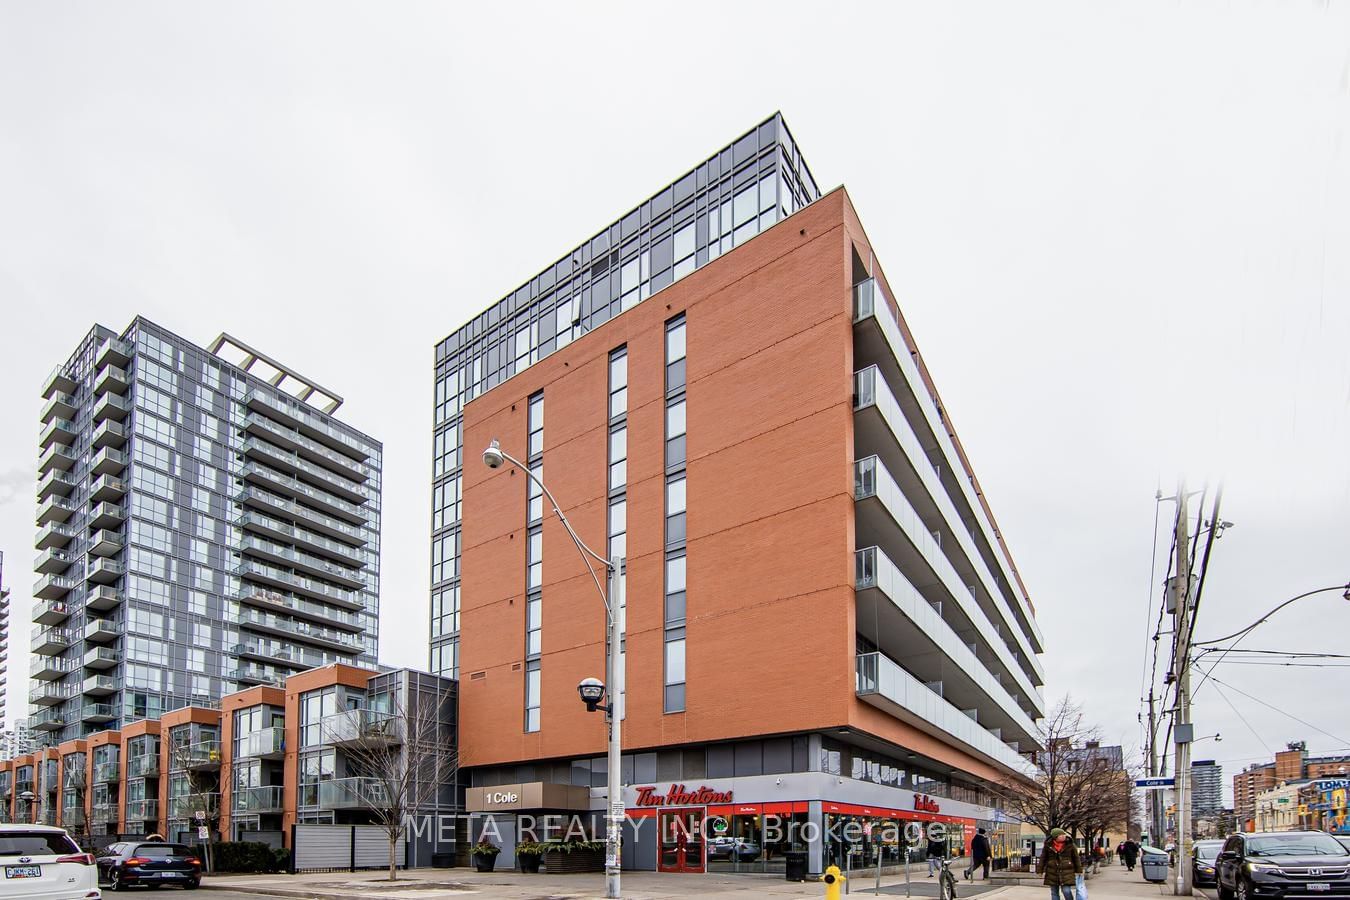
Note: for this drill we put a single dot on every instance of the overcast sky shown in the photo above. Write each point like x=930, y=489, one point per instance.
x=1118, y=231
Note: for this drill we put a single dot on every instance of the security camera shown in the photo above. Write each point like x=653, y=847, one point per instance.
x=493, y=457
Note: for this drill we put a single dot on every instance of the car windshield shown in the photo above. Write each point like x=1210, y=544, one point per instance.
x=1208, y=851
x=36, y=843
x=160, y=851
x=1302, y=844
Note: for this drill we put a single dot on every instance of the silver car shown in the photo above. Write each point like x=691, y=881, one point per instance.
x=42, y=863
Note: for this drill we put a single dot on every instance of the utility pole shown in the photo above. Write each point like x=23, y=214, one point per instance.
x=1181, y=722
x=1155, y=829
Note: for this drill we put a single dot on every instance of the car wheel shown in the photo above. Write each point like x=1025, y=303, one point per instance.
x=115, y=881
x=1243, y=889
x=192, y=885
x=1223, y=892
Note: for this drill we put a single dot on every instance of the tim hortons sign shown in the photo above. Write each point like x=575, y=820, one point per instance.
x=925, y=803
x=679, y=795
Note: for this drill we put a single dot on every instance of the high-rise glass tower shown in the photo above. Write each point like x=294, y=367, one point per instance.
x=724, y=201
x=4, y=646
x=204, y=524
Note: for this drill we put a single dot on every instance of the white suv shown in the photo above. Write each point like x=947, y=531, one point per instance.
x=43, y=863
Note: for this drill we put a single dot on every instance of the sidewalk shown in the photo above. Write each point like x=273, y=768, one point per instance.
x=1114, y=883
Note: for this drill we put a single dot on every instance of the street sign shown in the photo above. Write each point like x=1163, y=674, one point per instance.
x=203, y=833
x=199, y=815
x=1153, y=784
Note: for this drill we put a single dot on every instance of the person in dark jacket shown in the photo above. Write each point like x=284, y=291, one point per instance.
x=937, y=852
x=1129, y=851
x=980, y=854
x=1061, y=864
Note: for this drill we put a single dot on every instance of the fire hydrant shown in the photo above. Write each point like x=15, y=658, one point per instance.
x=833, y=879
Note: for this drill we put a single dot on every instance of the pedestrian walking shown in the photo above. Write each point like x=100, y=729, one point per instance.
x=1061, y=864
x=1129, y=851
x=937, y=852
x=980, y=855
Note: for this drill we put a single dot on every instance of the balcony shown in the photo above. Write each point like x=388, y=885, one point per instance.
x=48, y=668
x=287, y=580
x=294, y=487
x=143, y=766
x=296, y=415
x=50, y=693
x=288, y=653
x=201, y=755
x=107, y=487
x=258, y=799
x=55, y=509
x=49, y=587
x=60, y=405
x=56, y=457
x=73, y=777
x=50, y=562
x=293, y=464
x=251, y=673
x=109, y=434
x=903, y=624
x=105, y=543
x=881, y=429
x=107, y=772
x=58, y=381
x=291, y=605
x=102, y=685
x=270, y=743
x=51, y=640
x=102, y=631
x=303, y=538
x=105, y=570
x=72, y=817
x=101, y=658
x=300, y=561
x=113, y=352
x=51, y=719
x=111, y=379
x=58, y=431
x=142, y=810
x=360, y=726
x=884, y=684
x=878, y=339
x=103, y=598
x=111, y=406
x=256, y=497
x=109, y=462
x=885, y=517
x=98, y=713
x=55, y=482
x=312, y=450
x=351, y=793
x=300, y=630
x=104, y=814
x=186, y=807
x=107, y=515
x=50, y=612
x=54, y=535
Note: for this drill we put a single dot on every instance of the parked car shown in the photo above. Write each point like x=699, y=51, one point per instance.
x=153, y=863
x=43, y=862
x=1203, y=854
x=740, y=849
x=1283, y=864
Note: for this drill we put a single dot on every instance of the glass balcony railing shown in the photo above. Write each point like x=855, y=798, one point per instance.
x=300, y=559
x=309, y=515
x=351, y=793
x=293, y=485
x=107, y=772
x=143, y=767
x=187, y=806
x=294, y=605
x=266, y=799
x=324, y=478
x=881, y=681
x=301, y=629
x=257, y=521
x=201, y=755
x=359, y=725
x=268, y=742
x=345, y=464
x=251, y=568
x=297, y=411
x=142, y=810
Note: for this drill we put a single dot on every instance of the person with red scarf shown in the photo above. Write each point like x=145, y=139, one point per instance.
x=1061, y=864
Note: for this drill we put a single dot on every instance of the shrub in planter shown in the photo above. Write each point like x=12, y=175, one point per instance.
x=242, y=856
x=485, y=855
x=529, y=854
x=574, y=856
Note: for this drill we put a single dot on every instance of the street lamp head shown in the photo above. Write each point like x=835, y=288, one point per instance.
x=493, y=457
x=592, y=691
x=28, y=796
x=1346, y=595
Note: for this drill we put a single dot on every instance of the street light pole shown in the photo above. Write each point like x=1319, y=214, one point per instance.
x=612, y=594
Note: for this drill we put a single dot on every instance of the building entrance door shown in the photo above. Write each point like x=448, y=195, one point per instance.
x=682, y=840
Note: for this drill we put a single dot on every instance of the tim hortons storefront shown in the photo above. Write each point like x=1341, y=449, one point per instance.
x=749, y=824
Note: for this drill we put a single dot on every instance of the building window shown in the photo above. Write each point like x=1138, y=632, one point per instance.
x=534, y=494
x=675, y=352
x=618, y=458
x=532, y=685
x=618, y=528
x=676, y=510
x=675, y=591
x=675, y=678
x=618, y=383
x=534, y=565
x=536, y=422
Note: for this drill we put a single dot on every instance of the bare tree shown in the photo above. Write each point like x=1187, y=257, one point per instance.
x=1078, y=788
x=405, y=756
x=193, y=762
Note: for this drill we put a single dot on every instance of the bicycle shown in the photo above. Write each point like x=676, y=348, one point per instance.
x=946, y=881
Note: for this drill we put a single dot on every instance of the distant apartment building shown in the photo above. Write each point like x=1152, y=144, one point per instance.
x=1290, y=765
x=4, y=650
x=205, y=523
x=1206, y=787
x=265, y=759
x=16, y=740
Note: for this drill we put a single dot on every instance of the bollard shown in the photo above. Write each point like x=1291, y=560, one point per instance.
x=833, y=879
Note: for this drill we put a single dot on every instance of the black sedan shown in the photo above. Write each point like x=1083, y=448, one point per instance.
x=1283, y=864
x=152, y=864
x=1203, y=855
